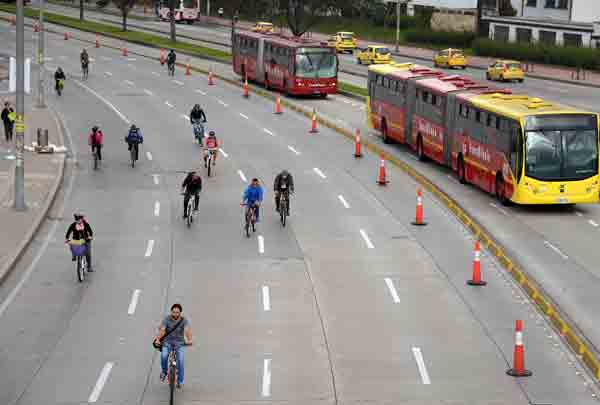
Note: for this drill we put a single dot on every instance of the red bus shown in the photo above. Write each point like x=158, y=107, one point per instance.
x=293, y=65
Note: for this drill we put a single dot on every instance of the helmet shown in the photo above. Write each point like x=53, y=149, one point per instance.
x=95, y=128
x=212, y=134
x=77, y=216
x=133, y=127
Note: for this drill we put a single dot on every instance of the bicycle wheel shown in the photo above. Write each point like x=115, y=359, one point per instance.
x=209, y=164
x=95, y=160
x=172, y=376
x=80, y=268
x=283, y=211
x=190, y=212
x=132, y=156
x=247, y=226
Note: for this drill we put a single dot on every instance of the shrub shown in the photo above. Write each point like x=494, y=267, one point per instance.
x=440, y=38
x=587, y=58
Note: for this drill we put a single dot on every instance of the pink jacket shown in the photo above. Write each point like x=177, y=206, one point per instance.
x=98, y=140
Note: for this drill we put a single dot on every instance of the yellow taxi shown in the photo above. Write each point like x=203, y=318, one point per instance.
x=374, y=54
x=450, y=58
x=505, y=70
x=345, y=41
x=264, y=27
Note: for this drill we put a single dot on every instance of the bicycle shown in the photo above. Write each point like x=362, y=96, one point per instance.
x=79, y=250
x=172, y=372
x=60, y=85
x=190, y=210
x=96, y=152
x=209, y=160
x=171, y=68
x=134, y=154
x=198, y=131
x=284, y=206
x=250, y=218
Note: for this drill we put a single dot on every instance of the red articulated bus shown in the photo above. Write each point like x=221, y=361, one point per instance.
x=293, y=65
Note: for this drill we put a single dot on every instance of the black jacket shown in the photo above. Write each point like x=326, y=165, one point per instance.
x=192, y=184
x=279, y=181
x=4, y=115
x=197, y=115
x=59, y=75
x=171, y=58
x=78, y=235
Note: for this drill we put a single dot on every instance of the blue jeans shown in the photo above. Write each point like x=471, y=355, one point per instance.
x=256, y=210
x=164, y=360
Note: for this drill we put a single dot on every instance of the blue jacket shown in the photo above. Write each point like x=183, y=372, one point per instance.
x=135, y=137
x=253, y=194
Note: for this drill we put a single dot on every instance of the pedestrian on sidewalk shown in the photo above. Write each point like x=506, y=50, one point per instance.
x=8, y=119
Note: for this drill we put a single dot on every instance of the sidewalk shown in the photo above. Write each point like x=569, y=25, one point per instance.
x=43, y=176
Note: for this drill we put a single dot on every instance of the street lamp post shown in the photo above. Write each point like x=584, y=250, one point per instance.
x=397, y=25
x=41, y=58
x=19, y=195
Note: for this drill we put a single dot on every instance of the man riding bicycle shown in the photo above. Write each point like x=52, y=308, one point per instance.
x=95, y=141
x=253, y=196
x=58, y=76
x=284, y=182
x=81, y=230
x=134, y=138
x=192, y=185
x=212, y=144
x=85, y=61
x=197, y=117
x=178, y=334
x=171, y=59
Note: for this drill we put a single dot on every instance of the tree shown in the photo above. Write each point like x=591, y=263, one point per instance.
x=172, y=20
x=125, y=6
x=505, y=8
x=304, y=14
x=81, y=10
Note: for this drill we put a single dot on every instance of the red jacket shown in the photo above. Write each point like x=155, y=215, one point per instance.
x=98, y=141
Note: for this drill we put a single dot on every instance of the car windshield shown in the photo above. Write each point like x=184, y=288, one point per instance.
x=347, y=37
x=316, y=63
x=561, y=147
x=457, y=55
x=513, y=65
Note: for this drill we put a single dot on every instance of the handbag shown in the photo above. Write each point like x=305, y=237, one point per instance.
x=158, y=346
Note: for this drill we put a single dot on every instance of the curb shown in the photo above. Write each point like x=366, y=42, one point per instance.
x=9, y=265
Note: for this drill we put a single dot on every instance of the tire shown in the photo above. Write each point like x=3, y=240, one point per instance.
x=190, y=212
x=80, y=269
x=132, y=156
x=247, y=227
x=462, y=175
x=384, y=132
x=171, y=388
x=95, y=160
x=253, y=226
x=463, y=67
x=267, y=85
x=358, y=61
x=487, y=76
x=420, y=152
x=500, y=194
x=520, y=80
x=209, y=165
x=282, y=215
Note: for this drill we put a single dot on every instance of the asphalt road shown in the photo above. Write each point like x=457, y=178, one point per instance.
x=359, y=306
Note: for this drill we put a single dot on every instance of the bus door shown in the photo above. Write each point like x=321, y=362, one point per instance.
x=449, y=119
x=411, y=95
x=260, y=62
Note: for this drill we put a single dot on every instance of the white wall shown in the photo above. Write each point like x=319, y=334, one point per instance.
x=586, y=11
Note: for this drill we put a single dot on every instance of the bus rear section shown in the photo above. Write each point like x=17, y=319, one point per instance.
x=293, y=66
x=185, y=11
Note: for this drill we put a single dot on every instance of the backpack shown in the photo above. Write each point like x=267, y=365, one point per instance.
x=134, y=136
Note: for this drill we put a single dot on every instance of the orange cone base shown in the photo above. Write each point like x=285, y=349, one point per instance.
x=277, y=112
x=382, y=183
x=521, y=373
x=358, y=155
x=415, y=223
x=480, y=282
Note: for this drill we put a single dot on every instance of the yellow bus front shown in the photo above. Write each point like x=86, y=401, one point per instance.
x=559, y=163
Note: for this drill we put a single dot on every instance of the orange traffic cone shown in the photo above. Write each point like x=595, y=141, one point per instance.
x=476, y=279
x=210, y=78
x=66, y=36
x=124, y=51
x=357, y=153
x=278, y=105
x=246, y=90
x=97, y=41
x=162, y=57
x=313, y=125
x=381, y=180
x=187, y=69
x=518, y=369
x=419, y=214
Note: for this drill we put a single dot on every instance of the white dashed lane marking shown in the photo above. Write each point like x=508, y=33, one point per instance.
x=319, y=173
x=293, y=150
x=343, y=201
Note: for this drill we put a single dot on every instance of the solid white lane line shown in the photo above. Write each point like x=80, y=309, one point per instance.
x=266, y=378
x=345, y=101
x=149, y=155
x=105, y=101
x=261, y=244
x=149, y=248
x=390, y=286
x=131, y=59
x=502, y=210
x=343, y=201
x=178, y=82
x=593, y=223
x=223, y=152
x=108, y=73
x=243, y=116
x=133, y=303
x=266, y=298
x=268, y=132
x=579, y=214
x=421, y=364
x=105, y=58
x=201, y=92
x=242, y=176
x=320, y=173
x=148, y=92
x=155, y=177
x=155, y=74
x=366, y=239
x=169, y=104
x=557, y=250
x=185, y=117
x=129, y=82
x=293, y=150
x=100, y=383
x=157, y=208
x=224, y=104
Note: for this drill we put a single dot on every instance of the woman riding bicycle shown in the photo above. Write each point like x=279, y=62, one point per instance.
x=80, y=230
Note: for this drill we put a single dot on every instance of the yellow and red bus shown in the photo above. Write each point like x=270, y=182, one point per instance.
x=522, y=149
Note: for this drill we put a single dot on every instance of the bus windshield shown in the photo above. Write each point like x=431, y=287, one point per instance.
x=561, y=147
x=316, y=63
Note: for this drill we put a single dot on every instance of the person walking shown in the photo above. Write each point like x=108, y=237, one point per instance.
x=8, y=119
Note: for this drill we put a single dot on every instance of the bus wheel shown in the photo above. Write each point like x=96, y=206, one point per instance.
x=500, y=191
x=384, y=132
x=267, y=85
x=461, y=171
x=420, y=152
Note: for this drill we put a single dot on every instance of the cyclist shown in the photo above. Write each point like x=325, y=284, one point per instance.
x=95, y=140
x=197, y=117
x=58, y=76
x=176, y=332
x=212, y=144
x=283, y=181
x=81, y=230
x=192, y=185
x=171, y=59
x=253, y=196
x=134, y=138
x=85, y=61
